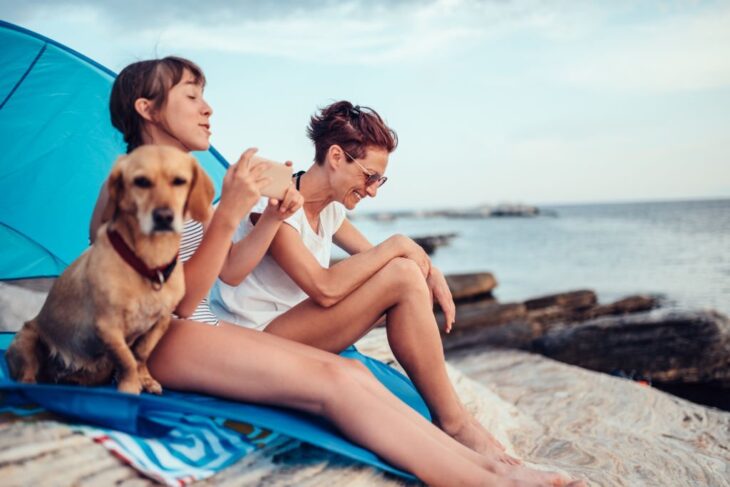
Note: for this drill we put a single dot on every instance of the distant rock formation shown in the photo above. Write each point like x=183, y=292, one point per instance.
x=483, y=211
x=430, y=243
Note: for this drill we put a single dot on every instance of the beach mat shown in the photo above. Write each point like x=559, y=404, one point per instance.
x=139, y=416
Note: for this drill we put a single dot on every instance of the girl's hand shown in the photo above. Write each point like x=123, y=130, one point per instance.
x=441, y=293
x=290, y=204
x=242, y=187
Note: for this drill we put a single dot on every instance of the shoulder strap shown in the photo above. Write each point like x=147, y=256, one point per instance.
x=298, y=177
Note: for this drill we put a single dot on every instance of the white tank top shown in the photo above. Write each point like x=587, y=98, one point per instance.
x=268, y=291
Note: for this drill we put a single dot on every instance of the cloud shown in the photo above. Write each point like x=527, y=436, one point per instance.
x=673, y=54
x=617, y=46
x=349, y=32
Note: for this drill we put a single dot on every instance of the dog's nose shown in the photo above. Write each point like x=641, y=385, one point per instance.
x=163, y=217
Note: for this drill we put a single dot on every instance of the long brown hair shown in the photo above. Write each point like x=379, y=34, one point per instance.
x=352, y=127
x=152, y=80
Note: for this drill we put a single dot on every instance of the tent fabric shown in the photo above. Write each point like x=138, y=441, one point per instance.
x=58, y=146
x=139, y=415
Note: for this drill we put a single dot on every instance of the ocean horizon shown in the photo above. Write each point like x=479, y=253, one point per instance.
x=677, y=249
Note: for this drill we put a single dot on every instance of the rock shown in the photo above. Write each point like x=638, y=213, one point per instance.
x=571, y=300
x=669, y=346
x=515, y=210
x=470, y=286
x=571, y=308
x=430, y=243
x=490, y=323
x=482, y=211
x=516, y=334
x=630, y=304
x=550, y=315
x=485, y=314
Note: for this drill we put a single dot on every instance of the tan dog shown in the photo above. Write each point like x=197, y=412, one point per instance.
x=111, y=299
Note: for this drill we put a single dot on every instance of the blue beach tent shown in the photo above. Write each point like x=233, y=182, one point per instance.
x=58, y=145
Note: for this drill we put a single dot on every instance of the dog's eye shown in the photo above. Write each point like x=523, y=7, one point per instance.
x=142, y=182
x=179, y=182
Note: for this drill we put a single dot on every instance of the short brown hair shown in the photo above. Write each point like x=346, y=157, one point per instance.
x=152, y=80
x=352, y=127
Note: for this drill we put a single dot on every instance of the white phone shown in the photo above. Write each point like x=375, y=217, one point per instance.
x=280, y=175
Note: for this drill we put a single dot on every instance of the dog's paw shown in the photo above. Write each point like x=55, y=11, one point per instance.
x=129, y=386
x=27, y=379
x=151, y=385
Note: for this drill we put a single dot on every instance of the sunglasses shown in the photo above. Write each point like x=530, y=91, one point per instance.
x=373, y=178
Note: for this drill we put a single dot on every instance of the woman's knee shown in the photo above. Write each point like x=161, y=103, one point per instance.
x=405, y=275
x=337, y=385
x=357, y=369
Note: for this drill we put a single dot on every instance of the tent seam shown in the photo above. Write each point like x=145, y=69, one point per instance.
x=25, y=75
x=53, y=256
x=7, y=25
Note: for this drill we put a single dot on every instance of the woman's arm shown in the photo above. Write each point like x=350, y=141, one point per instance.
x=245, y=254
x=350, y=239
x=327, y=286
x=240, y=192
x=202, y=268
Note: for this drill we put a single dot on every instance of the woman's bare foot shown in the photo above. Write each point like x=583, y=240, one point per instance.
x=490, y=436
x=540, y=477
x=505, y=457
x=473, y=435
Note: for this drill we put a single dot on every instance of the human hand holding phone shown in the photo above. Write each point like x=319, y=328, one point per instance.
x=279, y=175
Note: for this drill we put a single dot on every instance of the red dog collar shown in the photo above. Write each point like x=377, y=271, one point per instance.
x=157, y=276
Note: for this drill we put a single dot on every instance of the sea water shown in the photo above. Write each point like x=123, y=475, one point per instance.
x=680, y=250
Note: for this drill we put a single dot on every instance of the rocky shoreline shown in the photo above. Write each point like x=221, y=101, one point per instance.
x=685, y=352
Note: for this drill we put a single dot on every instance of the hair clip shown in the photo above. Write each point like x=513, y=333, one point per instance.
x=355, y=111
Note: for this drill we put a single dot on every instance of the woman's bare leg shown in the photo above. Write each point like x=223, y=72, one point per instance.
x=494, y=462
x=242, y=364
x=362, y=374
x=400, y=290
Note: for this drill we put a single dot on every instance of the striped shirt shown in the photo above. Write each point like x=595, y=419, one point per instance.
x=191, y=237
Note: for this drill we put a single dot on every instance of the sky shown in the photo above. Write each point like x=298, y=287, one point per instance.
x=523, y=101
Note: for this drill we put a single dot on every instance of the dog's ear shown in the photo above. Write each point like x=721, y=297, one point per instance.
x=201, y=194
x=115, y=190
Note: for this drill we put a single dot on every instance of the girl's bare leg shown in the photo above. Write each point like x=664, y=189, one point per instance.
x=400, y=290
x=242, y=364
